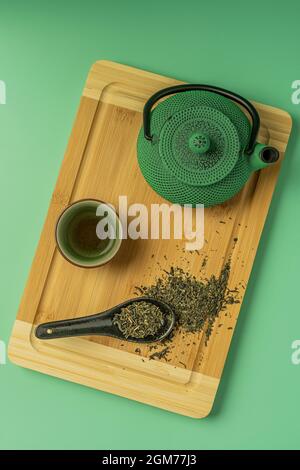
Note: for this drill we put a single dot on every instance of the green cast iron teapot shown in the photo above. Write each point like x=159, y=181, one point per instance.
x=198, y=147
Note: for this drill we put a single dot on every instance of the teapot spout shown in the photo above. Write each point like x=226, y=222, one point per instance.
x=263, y=156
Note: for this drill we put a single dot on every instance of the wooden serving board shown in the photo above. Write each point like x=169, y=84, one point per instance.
x=100, y=162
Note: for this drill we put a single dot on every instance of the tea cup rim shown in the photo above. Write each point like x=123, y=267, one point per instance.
x=119, y=240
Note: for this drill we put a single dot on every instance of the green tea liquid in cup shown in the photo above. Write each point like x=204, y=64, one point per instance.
x=88, y=233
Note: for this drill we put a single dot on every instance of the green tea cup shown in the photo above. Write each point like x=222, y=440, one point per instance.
x=88, y=233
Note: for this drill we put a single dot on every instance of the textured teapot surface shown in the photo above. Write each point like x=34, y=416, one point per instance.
x=196, y=153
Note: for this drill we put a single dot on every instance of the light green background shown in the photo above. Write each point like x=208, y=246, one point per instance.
x=46, y=50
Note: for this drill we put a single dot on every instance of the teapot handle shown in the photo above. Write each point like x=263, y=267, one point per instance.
x=220, y=91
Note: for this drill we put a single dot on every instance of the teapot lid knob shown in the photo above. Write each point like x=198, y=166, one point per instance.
x=199, y=142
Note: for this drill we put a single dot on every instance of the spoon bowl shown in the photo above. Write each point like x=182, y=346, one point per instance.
x=101, y=324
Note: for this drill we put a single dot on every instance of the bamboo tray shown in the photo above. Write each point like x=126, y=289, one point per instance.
x=100, y=162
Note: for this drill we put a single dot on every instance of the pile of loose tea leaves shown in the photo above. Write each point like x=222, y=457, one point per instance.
x=196, y=303
x=139, y=320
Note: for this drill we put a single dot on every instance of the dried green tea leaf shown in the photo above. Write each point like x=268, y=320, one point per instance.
x=196, y=303
x=139, y=320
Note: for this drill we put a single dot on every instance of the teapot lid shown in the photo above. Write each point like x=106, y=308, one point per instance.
x=199, y=145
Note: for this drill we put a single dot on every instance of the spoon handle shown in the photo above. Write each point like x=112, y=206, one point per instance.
x=99, y=324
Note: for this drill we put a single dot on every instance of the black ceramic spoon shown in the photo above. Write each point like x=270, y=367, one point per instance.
x=101, y=324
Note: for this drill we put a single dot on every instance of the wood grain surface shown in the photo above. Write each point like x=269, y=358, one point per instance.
x=100, y=162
